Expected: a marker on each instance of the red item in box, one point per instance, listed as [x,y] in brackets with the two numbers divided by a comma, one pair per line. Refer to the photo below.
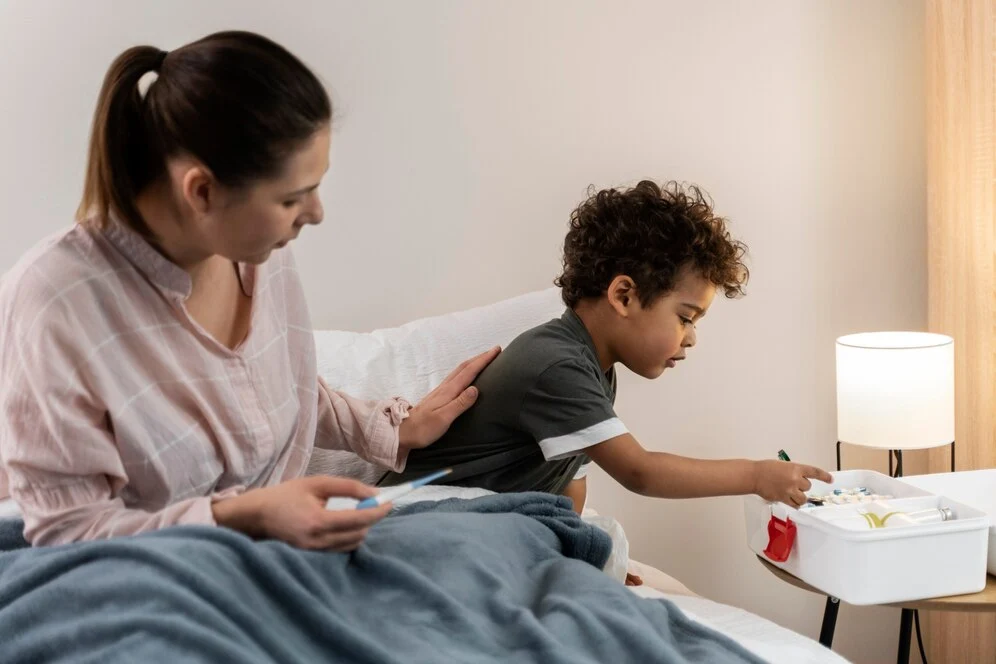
[781,537]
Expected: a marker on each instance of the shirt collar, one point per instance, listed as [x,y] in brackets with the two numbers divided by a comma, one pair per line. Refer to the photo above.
[574,323]
[162,272]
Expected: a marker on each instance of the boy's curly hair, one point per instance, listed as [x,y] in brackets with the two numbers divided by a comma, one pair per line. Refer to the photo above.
[649,233]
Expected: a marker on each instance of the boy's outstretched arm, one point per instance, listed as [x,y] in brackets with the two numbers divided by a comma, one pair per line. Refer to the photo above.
[662,475]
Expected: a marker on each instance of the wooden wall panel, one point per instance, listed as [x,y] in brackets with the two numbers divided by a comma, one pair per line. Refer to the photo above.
[961,192]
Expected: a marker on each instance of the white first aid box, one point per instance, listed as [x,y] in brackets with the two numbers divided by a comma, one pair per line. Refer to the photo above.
[880,565]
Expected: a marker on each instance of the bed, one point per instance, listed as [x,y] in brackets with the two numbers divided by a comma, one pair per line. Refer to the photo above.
[410,360]
[406,361]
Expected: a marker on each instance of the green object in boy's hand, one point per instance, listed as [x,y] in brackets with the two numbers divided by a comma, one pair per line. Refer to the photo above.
[783,456]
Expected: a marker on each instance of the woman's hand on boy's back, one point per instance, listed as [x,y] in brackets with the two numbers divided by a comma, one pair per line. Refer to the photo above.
[431,418]
[786,482]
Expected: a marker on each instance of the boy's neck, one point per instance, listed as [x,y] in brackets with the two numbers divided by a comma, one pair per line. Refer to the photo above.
[597,323]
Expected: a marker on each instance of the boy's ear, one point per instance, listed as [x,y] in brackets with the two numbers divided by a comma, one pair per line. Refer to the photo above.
[621,294]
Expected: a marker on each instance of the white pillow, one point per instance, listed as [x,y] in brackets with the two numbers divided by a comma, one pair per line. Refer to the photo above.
[411,360]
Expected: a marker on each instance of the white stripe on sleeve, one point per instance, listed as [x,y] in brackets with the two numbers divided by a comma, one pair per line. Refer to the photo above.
[570,444]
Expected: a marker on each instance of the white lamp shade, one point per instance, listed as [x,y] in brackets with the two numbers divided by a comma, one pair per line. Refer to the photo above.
[895,390]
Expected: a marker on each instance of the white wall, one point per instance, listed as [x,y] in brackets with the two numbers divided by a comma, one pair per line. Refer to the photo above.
[466,133]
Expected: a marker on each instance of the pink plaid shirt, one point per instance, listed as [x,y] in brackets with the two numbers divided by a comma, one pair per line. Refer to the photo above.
[120,414]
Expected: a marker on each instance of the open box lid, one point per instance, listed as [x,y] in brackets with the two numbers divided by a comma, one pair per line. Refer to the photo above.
[976,488]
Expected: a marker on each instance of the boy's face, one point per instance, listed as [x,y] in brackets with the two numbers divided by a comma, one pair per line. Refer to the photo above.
[650,339]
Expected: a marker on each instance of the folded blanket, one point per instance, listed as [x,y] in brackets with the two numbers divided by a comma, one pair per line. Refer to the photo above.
[577,538]
[12,535]
[617,565]
[500,578]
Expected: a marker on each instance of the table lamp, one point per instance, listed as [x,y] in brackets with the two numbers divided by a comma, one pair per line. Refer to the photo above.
[895,391]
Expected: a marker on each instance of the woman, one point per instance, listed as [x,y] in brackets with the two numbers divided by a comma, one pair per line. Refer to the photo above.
[157,360]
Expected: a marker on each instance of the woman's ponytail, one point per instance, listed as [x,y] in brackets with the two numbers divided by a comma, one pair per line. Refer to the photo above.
[124,154]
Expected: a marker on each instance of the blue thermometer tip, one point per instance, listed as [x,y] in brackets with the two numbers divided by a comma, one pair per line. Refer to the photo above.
[390,493]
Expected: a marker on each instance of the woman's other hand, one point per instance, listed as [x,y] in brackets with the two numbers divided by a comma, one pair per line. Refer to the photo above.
[294,512]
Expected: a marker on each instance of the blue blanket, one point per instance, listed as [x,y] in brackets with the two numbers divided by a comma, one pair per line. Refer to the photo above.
[511,577]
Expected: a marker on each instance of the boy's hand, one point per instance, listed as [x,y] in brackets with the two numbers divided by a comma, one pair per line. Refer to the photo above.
[786,482]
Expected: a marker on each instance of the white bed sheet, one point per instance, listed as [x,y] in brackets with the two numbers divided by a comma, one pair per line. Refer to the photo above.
[762,637]
[9,509]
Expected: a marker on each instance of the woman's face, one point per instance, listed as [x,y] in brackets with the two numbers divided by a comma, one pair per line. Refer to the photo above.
[245,226]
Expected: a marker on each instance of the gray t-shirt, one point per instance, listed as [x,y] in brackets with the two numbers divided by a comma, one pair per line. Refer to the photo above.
[542,401]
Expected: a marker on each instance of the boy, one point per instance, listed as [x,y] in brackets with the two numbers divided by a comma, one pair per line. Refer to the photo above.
[641,267]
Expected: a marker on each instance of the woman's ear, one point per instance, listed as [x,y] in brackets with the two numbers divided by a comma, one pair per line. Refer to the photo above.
[199,189]
[621,294]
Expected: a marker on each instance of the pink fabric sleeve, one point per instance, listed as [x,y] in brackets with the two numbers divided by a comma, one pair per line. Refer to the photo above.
[85,511]
[56,443]
[367,428]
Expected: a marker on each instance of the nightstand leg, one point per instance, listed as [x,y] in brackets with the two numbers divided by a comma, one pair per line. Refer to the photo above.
[905,635]
[830,622]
